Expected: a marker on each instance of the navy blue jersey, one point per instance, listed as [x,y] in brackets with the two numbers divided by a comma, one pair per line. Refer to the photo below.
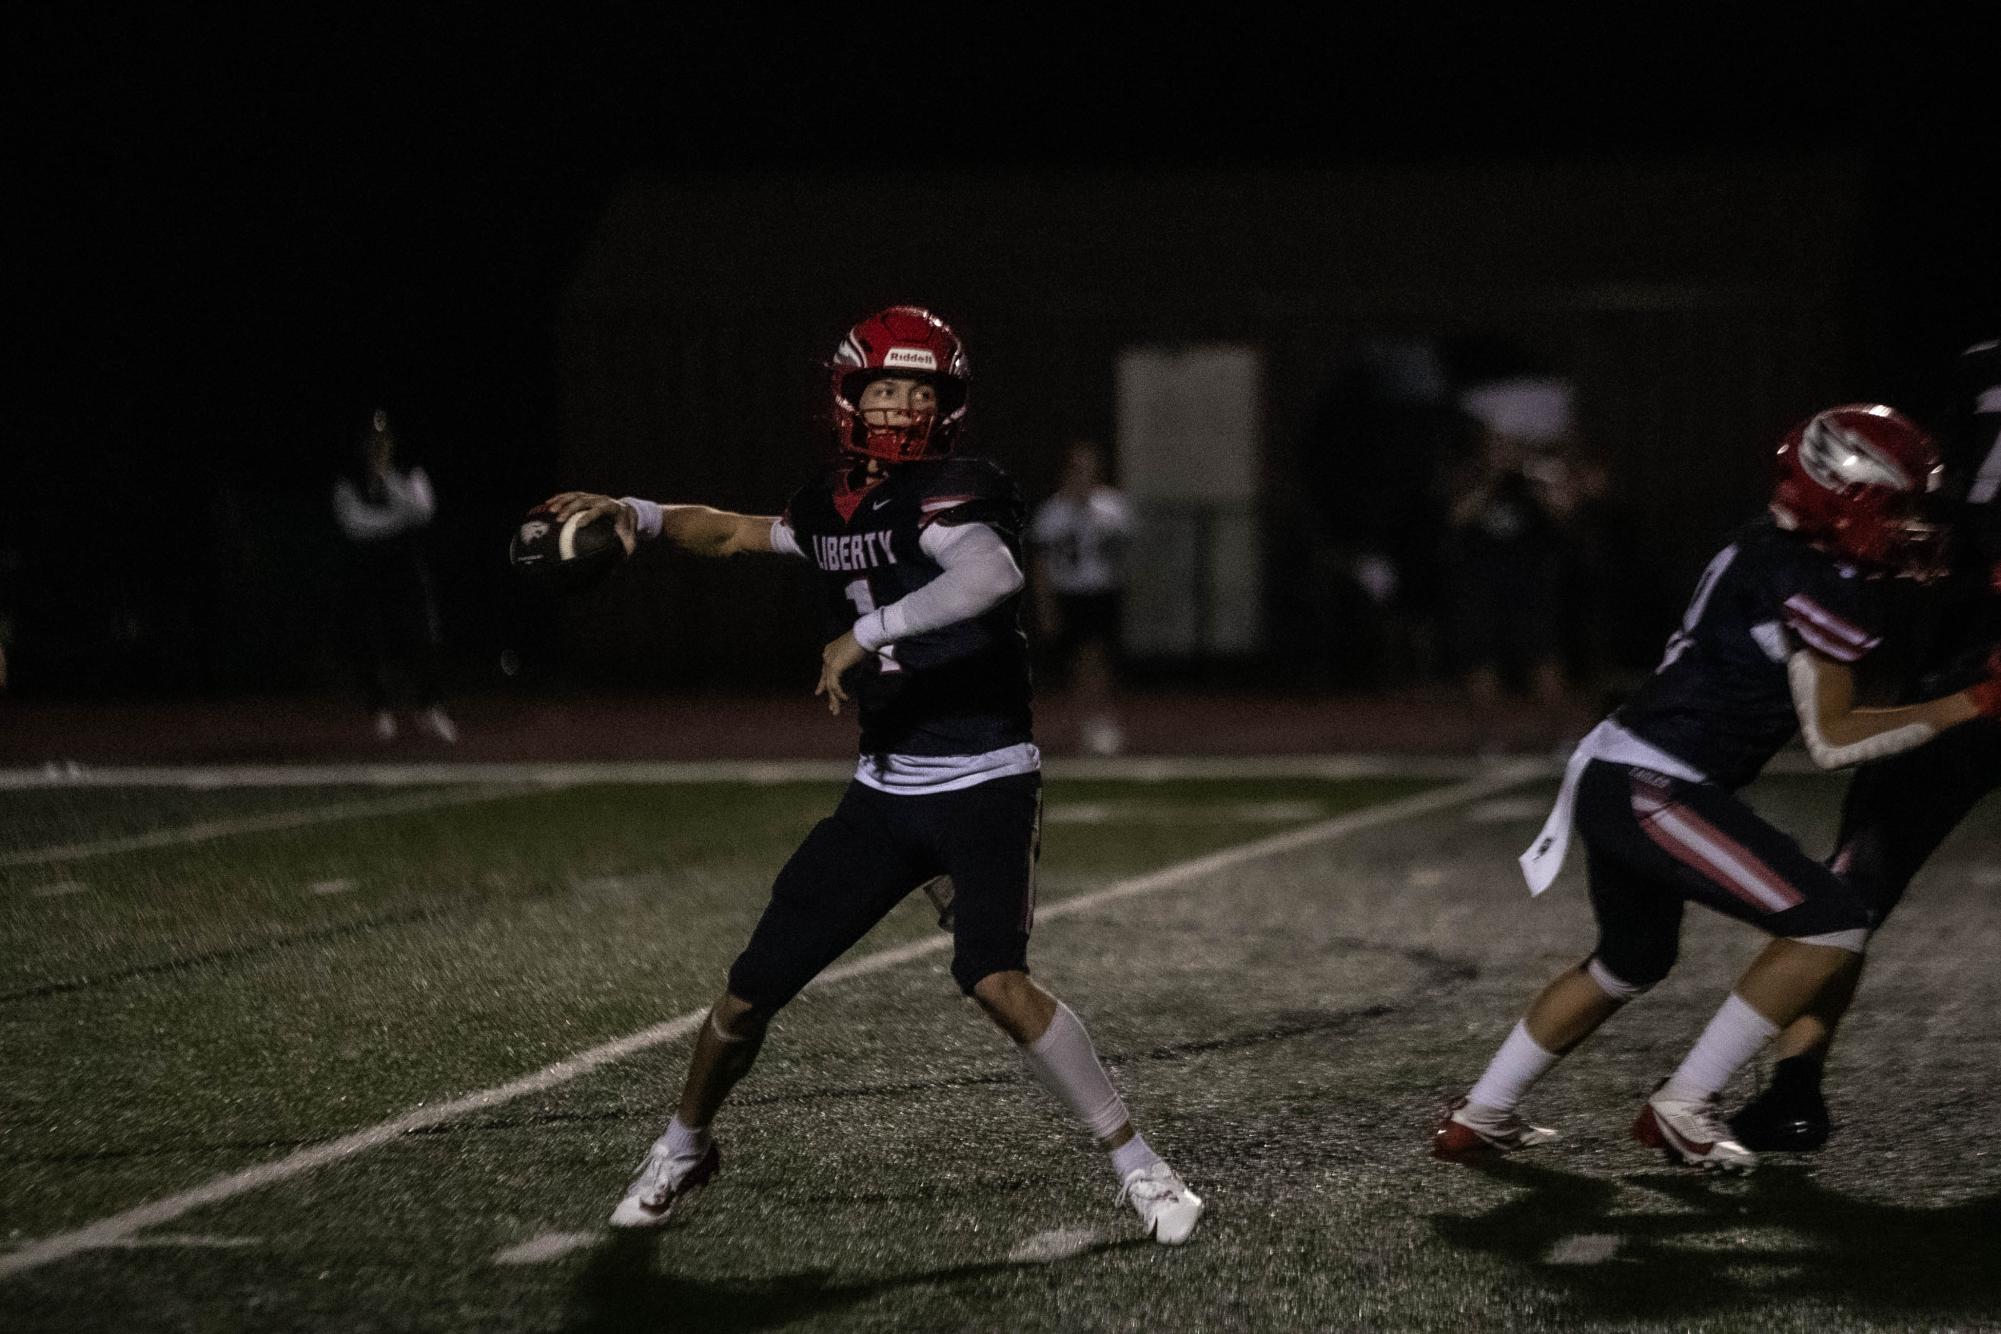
[1720,699]
[1947,629]
[1968,614]
[962,689]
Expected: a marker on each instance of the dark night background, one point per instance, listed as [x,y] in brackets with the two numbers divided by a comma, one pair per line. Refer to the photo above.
[232,236]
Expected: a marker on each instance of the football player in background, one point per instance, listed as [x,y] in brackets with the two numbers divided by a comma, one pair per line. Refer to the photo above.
[917,555]
[383,509]
[1767,647]
[1078,539]
[1896,813]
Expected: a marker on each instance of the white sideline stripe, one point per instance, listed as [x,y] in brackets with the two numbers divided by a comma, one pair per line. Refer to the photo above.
[110,1230]
[1508,809]
[254,824]
[58,888]
[1142,769]
[1144,812]
[548,1246]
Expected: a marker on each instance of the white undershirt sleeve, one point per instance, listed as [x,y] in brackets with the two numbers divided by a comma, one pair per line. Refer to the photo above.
[979,573]
[784,541]
[1803,677]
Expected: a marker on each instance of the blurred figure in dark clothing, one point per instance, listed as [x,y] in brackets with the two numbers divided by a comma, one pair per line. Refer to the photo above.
[9,563]
[1511,500]
[1371,456]
[391,614]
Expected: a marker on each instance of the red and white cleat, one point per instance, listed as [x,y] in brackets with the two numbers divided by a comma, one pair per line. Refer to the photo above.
[1691,1133]
[665,1185]
[1464,1132]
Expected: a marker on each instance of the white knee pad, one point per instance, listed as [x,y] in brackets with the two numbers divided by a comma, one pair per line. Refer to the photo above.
[1617,988]
[1854,940]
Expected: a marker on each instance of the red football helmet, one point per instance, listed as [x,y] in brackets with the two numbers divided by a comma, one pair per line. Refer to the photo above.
[1854,478]
[902,341]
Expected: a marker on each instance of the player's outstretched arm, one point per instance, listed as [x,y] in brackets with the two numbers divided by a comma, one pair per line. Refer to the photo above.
[1838,734]
[694,528]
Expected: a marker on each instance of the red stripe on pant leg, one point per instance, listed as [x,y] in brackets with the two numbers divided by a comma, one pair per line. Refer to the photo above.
[1749,860]
[1694,857]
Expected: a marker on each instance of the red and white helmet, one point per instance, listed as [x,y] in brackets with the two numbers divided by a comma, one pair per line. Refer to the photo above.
[1854,478]
[902,341]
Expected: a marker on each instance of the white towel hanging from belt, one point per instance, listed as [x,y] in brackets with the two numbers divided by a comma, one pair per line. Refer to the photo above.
[1607,741]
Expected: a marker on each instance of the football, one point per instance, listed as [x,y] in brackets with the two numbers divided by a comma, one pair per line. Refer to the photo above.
[564,555]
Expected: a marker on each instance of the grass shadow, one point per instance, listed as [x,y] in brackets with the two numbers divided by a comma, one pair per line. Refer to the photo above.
[624,1289]
[1689,1260]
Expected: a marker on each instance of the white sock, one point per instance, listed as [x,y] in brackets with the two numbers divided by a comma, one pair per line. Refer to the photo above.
[1064,1062]
[1520,1062]
[1135,1155]
[1733,1037]
[684,1141]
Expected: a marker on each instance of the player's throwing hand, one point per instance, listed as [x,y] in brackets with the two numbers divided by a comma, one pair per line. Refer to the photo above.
[841,656]
[593,506]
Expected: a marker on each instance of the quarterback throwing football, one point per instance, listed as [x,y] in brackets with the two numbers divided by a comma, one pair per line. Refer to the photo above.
[917,555]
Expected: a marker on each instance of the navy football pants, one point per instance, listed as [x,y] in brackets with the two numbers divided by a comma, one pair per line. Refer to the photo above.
[871,852]
[1654,842]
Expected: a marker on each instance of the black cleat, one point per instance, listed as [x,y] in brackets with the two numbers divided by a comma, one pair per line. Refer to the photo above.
[1789,1115]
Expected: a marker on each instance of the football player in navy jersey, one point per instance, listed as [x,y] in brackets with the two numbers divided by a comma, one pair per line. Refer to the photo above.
[918,558]
[1896,813]
[1767,648]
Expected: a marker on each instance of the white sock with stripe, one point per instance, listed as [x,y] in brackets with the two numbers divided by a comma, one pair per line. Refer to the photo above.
[1733,1037]
[1519,1063]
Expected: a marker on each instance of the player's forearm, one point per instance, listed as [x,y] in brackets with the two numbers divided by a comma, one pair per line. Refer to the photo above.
[701,530]
[980,574]
[1838,735]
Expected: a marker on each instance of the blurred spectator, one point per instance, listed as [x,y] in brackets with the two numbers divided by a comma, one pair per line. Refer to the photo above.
[391,612]
[1078,537]
[1372,451]
[10,563]
[1511,501]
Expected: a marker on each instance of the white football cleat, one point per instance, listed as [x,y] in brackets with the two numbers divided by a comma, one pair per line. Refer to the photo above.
[1692,1133]
[1163,1201]
[665,1185]
[1464,1133]
[385,725]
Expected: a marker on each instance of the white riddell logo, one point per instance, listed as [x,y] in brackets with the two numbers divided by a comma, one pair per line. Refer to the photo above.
[911,358]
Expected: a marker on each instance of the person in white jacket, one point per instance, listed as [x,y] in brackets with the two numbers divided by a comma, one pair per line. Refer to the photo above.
[391,626]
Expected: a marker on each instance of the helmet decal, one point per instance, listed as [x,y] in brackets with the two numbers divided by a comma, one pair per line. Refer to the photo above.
[1853,479]
[1836,457]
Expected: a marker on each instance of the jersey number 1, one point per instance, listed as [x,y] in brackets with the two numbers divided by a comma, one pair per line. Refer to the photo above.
[864,604]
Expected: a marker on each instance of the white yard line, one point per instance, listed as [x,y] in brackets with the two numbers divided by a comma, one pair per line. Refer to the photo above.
[1588,1248]
[112,1230]
[1143,769]
[257,824]
[200,1241]
[548,1246]
[59,889]
[1048,1247]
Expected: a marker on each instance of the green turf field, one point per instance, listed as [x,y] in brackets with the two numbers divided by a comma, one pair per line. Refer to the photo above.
[289,1027]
